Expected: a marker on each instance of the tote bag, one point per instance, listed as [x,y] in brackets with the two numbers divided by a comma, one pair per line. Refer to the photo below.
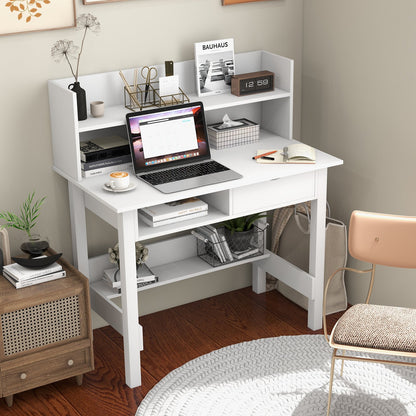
[294,247]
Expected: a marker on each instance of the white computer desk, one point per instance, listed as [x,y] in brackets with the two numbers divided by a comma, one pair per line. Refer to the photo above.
[262,188]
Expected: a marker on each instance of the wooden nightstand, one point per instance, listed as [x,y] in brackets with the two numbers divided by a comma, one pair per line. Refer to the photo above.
[45,332]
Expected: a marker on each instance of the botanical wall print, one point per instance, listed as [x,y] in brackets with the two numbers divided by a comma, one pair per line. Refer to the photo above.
[18,16]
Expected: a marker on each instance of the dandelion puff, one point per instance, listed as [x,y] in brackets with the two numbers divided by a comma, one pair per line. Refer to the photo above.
[64,49]
[87,21]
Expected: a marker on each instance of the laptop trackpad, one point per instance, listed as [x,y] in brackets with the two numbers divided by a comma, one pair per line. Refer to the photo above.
[198,181]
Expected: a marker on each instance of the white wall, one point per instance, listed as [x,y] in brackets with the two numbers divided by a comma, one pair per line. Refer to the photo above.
[134,33]
[358,103]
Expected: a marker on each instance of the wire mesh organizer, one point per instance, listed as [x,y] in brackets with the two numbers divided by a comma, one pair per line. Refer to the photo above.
[227,247]
[140,96]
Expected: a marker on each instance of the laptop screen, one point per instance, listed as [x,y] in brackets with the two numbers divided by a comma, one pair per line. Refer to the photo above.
[167,136]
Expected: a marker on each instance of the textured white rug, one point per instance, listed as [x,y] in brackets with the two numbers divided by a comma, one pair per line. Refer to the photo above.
[281,376]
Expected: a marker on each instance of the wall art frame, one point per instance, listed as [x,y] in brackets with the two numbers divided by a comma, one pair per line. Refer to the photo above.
[229,2]
[21,16]
[89,2]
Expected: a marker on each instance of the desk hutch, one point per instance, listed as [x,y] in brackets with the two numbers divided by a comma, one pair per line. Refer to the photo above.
[173,258]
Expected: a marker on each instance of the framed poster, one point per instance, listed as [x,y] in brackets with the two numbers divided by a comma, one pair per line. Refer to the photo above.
[227,2]
[18,16]
[98,1]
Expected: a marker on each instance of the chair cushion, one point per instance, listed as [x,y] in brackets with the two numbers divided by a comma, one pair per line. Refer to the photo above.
[377,326]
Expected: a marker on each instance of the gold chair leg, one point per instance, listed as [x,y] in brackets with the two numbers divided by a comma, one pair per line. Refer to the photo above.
[331,379]
[342,363]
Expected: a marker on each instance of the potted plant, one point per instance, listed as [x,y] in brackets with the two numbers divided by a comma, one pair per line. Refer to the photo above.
[239,231]
[25,221]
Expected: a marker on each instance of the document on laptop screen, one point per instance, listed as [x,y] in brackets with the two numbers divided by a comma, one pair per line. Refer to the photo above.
[168,135]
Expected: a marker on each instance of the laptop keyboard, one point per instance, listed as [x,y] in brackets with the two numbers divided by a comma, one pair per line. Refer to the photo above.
[184,172]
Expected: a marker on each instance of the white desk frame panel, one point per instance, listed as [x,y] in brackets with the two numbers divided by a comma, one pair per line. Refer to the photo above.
[262,188]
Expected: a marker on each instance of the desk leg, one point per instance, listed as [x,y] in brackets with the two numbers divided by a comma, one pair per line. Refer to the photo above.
[317,251]
[127,224]
[78,229]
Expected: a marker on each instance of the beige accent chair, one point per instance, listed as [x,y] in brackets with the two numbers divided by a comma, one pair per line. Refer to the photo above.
[382,239]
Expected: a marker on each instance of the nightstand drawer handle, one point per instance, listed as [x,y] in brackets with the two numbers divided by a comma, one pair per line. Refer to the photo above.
[23,376]
[70,362]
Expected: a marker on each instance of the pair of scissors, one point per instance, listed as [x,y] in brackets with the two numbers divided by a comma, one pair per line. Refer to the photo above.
[148,73]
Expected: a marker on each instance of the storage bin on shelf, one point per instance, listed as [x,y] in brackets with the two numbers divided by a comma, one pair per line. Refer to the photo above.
[228,248]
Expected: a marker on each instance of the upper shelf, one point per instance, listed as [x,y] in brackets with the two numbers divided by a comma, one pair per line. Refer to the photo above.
[115,115]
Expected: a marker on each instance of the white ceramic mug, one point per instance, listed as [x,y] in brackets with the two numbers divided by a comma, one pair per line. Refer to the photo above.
[119,180]
[97,108]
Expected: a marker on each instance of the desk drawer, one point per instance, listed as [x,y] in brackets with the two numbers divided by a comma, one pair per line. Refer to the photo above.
[45,371]
[273,194]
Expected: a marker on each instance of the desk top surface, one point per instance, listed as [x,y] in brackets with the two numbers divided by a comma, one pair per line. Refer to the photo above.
[238,158]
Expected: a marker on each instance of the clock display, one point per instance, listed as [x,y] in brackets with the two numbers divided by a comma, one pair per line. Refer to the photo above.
[252,82]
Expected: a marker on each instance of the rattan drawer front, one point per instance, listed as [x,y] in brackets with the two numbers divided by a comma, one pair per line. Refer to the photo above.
[46,371]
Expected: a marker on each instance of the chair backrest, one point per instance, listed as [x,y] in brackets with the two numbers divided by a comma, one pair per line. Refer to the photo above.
[385,239]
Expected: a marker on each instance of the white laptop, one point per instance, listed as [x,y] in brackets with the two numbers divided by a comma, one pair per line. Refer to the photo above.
[170,149]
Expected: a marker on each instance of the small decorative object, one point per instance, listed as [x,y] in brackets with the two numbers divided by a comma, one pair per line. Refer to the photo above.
[97,108]
[142,254]
[25,221]
[37,263]
[238,231]
[252,82]
[66,49]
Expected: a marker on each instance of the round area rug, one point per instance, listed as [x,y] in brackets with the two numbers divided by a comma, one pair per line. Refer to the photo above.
[281,376]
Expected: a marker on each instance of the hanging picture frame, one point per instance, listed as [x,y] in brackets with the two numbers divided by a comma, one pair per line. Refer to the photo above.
[19,16]
[88,2]
[228,2]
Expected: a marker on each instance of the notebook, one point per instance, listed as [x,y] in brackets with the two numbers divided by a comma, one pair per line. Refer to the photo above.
[170,148]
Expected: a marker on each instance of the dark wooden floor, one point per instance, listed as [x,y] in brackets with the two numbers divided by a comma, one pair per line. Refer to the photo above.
[171,338]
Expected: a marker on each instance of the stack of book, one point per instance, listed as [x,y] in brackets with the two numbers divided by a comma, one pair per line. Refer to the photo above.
[144,277]
[20,276]
[171,212]
[103,155]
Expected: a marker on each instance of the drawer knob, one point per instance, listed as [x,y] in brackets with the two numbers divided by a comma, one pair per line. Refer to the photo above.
[70,362]
[23,376]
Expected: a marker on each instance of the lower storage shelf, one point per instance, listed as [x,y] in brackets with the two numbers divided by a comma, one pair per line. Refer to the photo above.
[179,264]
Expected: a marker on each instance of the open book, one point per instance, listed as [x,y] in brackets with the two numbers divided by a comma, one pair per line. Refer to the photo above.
[294,153]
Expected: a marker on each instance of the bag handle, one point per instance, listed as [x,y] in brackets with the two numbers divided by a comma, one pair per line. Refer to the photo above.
[308,216]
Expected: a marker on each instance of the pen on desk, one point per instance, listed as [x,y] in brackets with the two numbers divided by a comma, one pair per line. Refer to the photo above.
[267,158]
[265,154]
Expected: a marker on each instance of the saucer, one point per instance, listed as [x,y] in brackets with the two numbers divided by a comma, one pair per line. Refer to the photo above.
[107,187]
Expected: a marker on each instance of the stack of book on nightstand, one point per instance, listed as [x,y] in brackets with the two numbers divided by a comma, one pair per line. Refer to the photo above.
[144,277]
[20,276]
[175,211]
[103,155]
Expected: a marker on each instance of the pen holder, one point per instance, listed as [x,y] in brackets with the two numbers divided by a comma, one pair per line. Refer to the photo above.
[141,96]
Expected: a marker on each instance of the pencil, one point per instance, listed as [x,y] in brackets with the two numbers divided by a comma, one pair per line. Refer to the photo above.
[264,154]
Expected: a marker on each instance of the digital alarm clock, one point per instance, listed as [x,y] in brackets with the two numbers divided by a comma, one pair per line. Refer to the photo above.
[252,82]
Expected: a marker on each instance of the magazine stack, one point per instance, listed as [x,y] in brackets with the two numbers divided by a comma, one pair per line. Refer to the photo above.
[175,211]
[21,277]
